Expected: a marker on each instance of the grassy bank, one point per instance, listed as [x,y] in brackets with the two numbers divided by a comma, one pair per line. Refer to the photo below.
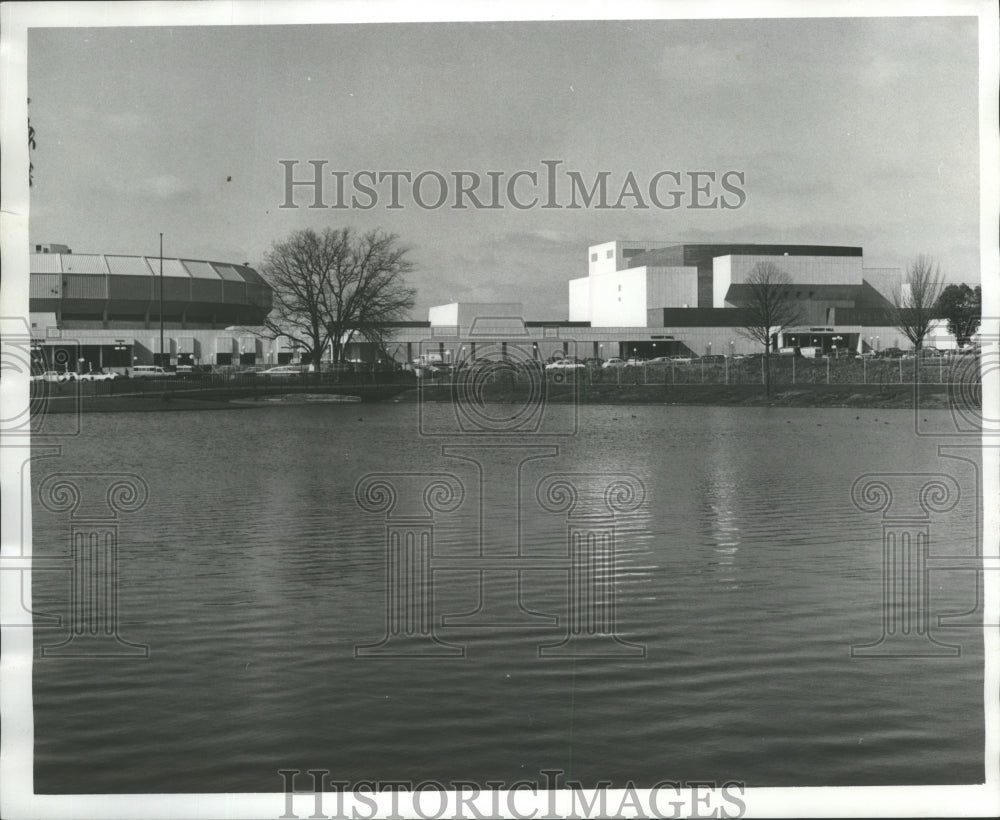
[66,399]
[930,396]
[807,395]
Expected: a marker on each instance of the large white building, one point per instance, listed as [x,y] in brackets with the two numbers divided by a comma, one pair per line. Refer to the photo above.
[638,298]
[691,293]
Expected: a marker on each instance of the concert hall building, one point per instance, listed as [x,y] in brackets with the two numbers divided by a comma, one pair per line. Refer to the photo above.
[102,311]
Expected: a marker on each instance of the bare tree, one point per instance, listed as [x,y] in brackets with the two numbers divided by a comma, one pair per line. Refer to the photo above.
[767,307]
[369,293]
[330,287]
[914,304]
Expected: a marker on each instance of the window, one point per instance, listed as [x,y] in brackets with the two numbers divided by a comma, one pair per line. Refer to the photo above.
[619,288]
[593,257]
[610,254]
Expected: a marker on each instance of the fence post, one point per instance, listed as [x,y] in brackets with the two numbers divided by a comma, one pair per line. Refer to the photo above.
[726,370]
[793,370]
[900,371]
[827,371]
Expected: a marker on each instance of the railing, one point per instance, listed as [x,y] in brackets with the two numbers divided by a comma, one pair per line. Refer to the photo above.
[207,382]
[784,370]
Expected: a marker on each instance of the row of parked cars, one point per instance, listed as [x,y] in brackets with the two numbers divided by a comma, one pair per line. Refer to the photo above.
[571,363]
[157,372]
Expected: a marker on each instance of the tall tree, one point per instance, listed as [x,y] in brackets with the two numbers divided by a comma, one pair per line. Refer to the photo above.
[768,307]
[331,287]
[914,304]
[962,306]
[370,292]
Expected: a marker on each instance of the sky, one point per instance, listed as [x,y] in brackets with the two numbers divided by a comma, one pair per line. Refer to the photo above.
[848,131]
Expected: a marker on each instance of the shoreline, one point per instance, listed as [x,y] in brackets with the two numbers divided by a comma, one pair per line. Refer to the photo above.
[901,396]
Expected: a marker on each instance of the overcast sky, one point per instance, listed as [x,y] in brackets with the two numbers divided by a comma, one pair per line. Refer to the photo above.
[849,132]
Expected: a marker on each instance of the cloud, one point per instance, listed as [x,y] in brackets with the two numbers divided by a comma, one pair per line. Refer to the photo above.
[162,187]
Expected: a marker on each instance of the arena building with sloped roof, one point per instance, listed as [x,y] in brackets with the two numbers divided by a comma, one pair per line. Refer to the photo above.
[101,310]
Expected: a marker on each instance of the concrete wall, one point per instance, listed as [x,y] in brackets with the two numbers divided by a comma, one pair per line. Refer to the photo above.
[443,315]
[618,299]
[671,287]
[579,299]
[613,256]
[722,278]
[886,281]
[802,270]
[463,314]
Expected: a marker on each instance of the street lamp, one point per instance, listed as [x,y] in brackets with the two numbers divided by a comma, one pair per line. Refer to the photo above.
[162,361]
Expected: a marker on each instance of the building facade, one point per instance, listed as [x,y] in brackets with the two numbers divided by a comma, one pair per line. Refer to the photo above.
[648,299]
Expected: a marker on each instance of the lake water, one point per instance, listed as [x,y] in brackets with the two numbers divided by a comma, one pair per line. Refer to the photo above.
[747,573]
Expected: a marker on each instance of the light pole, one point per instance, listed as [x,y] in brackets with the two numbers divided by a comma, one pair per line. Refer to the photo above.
[162,361]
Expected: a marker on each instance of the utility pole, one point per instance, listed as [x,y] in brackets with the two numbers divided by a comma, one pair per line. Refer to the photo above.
[162,361]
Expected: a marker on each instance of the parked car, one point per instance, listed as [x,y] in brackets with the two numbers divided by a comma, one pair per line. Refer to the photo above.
[285,371]
[662,360]
[681,359]
[714,358]
[50,376]
[188,371]
[565,364]
[891,353]
[97,376]
[635,361]
[614,361]
[148,371]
